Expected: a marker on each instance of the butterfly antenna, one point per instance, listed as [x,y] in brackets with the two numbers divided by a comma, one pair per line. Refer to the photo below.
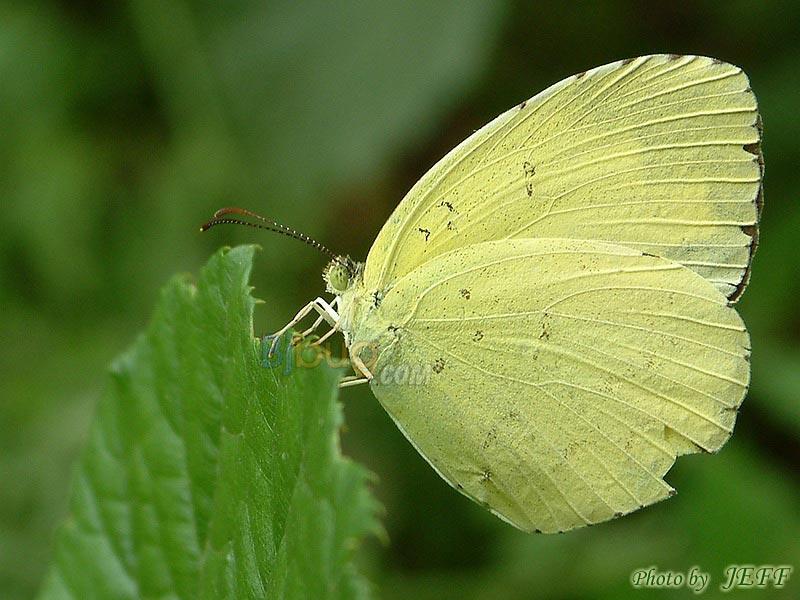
[221,218]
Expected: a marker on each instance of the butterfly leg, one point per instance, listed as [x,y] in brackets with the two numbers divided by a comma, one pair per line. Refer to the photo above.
[333,330]
[333,305]
[325,311]
[352,380]
[361,368]
[313,328]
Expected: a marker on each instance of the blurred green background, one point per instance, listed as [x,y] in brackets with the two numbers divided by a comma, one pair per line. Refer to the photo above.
[124,125]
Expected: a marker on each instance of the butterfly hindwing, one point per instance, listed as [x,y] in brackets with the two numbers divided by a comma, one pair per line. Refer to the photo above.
[562,378]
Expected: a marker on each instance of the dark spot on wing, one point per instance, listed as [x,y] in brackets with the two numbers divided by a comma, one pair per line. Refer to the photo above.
[537,531]
[491,435]
[754,148]
[477,336]
[528,168]
[617,515]
[545,334]
[447,205]
[450,226]
[425,232]
[570,450]
[459,486]
[486,475]
[377,297]
[465,293]
[672,493]
[648,254]
[438,365]
[579,75]
[522,104]
[750,230]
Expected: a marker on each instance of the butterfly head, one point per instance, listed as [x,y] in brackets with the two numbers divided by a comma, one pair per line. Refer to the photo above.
[341,274]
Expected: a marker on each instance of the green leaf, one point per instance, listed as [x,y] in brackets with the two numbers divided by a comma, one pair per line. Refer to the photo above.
[208,475]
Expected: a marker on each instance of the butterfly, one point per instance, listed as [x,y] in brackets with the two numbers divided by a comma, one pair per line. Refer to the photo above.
[547,315]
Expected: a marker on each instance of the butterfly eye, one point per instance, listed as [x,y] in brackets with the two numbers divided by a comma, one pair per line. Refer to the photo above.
[337,275]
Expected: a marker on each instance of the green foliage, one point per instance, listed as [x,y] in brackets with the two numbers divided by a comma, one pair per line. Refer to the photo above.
[208,475]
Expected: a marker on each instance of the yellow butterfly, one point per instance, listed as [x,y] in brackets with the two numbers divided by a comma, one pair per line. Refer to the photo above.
[547,314]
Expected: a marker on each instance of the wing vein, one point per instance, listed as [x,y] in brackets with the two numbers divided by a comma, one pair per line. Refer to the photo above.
[547,440]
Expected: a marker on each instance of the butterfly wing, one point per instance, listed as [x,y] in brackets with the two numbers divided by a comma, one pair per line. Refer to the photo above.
[563,376]
[659,153]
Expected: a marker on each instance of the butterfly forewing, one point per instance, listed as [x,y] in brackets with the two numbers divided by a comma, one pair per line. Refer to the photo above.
[659,153]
